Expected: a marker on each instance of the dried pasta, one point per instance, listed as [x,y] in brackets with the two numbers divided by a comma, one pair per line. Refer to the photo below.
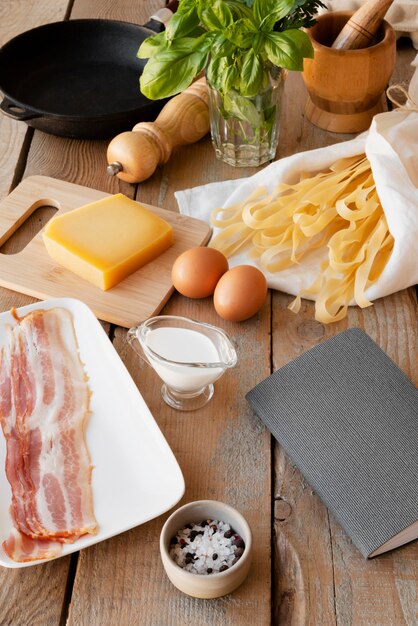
[339,209]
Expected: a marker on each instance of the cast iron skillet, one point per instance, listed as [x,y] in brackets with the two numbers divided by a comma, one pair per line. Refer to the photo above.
[77,78]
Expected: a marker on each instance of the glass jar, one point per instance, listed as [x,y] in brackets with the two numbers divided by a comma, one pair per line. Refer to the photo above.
[245,130]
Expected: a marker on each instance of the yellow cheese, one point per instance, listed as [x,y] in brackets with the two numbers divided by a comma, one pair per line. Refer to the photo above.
[105,241]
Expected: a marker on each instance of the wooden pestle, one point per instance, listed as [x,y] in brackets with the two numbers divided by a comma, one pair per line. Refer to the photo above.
[362,26]
[134,155]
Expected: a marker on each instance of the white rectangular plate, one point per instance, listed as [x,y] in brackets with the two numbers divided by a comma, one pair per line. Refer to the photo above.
[136,476]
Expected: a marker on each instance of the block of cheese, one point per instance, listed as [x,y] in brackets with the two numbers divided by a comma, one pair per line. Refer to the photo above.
[105,241]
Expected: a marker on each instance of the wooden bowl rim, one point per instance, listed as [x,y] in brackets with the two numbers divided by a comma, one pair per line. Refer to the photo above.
[387,40]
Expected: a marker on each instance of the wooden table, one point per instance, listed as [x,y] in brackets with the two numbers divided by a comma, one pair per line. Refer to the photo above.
[305,569]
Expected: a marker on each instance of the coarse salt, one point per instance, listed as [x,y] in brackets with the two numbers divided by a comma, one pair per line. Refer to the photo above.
[208,547]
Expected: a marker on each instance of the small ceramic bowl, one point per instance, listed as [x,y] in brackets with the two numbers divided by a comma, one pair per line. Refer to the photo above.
[211,585]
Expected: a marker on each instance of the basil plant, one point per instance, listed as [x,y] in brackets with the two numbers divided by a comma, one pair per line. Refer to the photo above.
[237,42]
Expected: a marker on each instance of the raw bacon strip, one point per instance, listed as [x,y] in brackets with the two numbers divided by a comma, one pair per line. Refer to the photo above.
[15,469]
[18,546]
[44,405]
[58,461]
[23,549]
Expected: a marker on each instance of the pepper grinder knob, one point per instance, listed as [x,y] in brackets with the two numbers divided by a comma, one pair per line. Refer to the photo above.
[114,168]
[133,156]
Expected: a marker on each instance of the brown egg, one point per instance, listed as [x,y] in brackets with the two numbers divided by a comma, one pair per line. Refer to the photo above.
[196,272]
[240,293]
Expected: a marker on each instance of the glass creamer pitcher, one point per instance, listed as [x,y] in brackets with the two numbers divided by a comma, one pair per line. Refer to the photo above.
[187,355]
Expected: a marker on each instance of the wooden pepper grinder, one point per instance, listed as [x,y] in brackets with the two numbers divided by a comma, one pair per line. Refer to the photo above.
[362,26]
[133,156]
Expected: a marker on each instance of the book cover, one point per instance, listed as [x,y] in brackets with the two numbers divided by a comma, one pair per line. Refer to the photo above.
[347,417]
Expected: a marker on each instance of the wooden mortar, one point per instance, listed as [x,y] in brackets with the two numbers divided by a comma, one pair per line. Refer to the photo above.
[346,87]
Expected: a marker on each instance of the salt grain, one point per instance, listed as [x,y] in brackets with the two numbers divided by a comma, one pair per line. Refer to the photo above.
[208,547]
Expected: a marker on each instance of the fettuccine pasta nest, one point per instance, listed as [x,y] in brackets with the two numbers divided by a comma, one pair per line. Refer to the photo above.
[339,209]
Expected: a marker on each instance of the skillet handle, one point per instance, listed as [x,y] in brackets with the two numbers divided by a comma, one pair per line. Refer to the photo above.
[160,19]
[16,111]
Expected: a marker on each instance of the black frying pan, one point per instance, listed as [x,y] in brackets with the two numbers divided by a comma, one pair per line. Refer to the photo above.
[77,78]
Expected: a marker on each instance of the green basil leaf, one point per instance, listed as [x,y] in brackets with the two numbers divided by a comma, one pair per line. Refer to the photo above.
[251,74]
[182,24]
[270,115]
[221,47]
[186,5]
[216,70]
[303,42]
[150,45]
[214,73]
[217,16]
[287,49]
[268,12]
[172,70]
[241,33]
[240,9]
[258,42]
[243,109]
[222,74]
[229,77]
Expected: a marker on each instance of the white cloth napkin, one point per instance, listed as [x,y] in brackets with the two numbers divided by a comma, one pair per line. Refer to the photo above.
[413,85]
[391,146]
[402,15]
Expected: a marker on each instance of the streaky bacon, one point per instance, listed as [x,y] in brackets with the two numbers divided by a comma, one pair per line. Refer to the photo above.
[44,406]
[14,455]
[19,547]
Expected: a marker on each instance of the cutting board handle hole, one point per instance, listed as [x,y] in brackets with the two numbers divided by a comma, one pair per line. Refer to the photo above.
[21,233]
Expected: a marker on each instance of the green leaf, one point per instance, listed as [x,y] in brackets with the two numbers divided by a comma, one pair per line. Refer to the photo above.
[221,47]
[251,74]
[182,23]
[243,109]
[186,5]
[239,9]
[241,33]
[249,3]
[214,72]
[270,115]
[172,70]
[222,74]
[217,16]
[228,78]
[287,49]
[258,42]
[268,12]
[150,45]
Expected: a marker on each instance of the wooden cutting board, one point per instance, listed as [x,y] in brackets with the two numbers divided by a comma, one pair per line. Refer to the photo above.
[33,272]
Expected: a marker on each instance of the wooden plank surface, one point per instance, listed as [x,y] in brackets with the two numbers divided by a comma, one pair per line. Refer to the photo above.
[35,595]
[224,451]
[134,588]
[321,578]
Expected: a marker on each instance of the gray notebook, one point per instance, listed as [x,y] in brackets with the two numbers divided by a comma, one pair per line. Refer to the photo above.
[348,418]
